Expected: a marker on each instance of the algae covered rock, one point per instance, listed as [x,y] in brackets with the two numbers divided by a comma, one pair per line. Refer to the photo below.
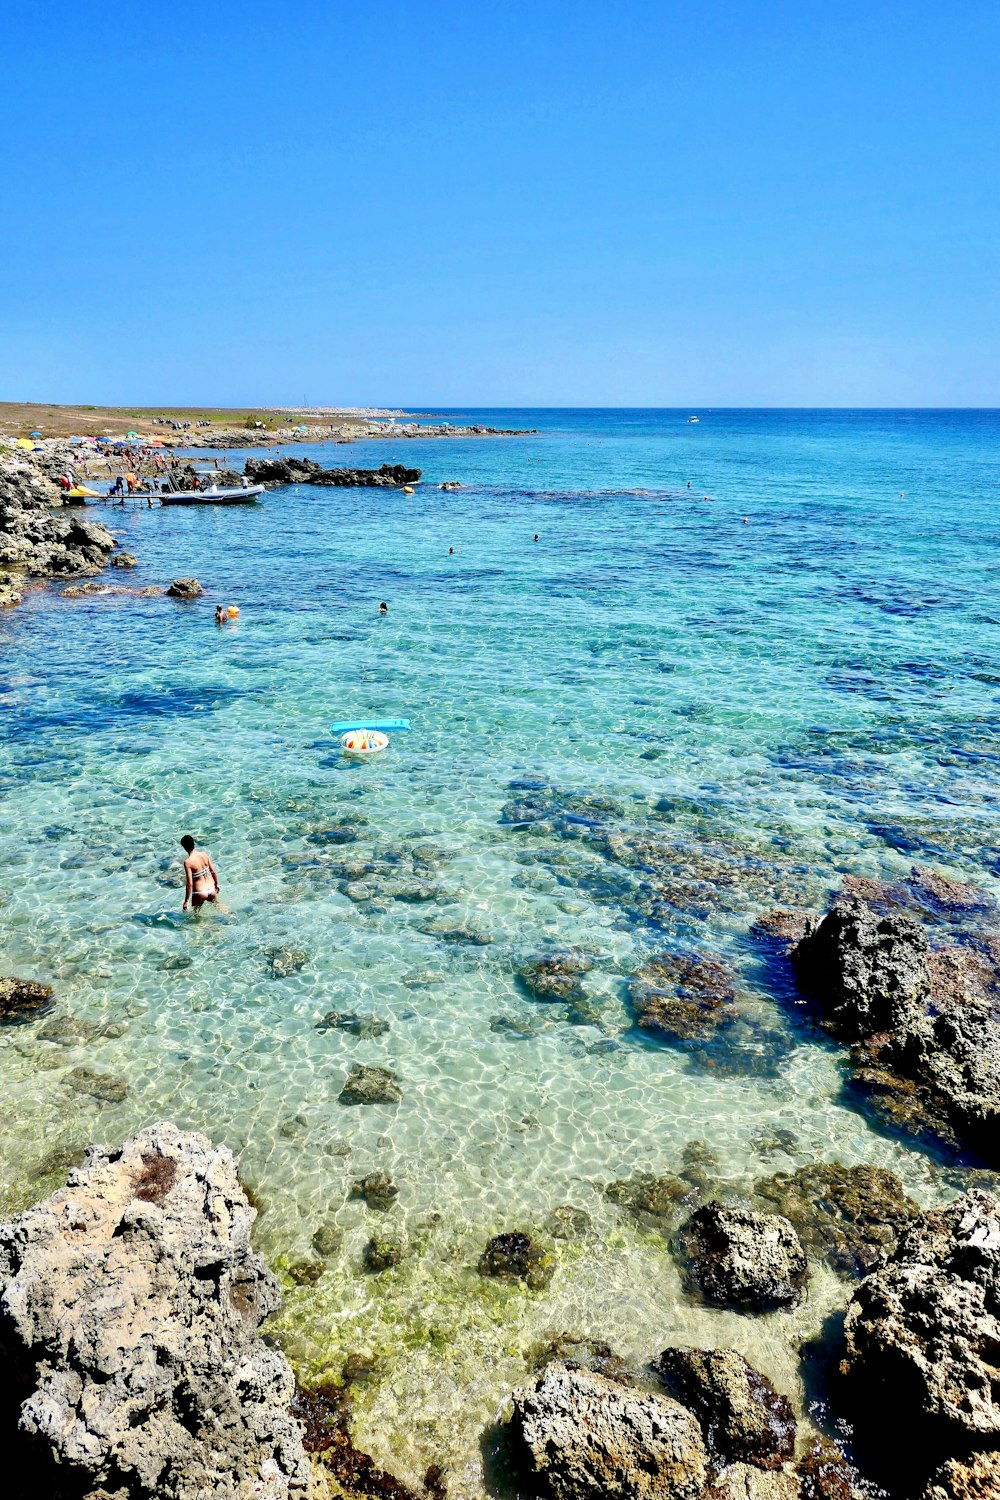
[365,1085]
[741,1414]
[555,977]
[850,1217]
[286,960]
[23,1000]
[377,1189]
[654,1202]
[130,1303]
[567,1223]
[682,996]
[514,1256]
[573,1435]
[385,1249]
[185,588]
[106,1087]
[577,1352]
[976,1477]
[737,1257]
[825,1474]
[363,1026]
[327,1239]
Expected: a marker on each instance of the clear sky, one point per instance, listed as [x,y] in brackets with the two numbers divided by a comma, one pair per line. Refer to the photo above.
[563,202]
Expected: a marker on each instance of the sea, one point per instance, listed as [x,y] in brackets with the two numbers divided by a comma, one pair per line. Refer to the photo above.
[662,676]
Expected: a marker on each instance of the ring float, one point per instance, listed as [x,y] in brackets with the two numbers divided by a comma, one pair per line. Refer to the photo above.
[362,744]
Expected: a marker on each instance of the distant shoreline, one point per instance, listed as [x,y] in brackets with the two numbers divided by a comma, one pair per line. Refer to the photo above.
[230,427]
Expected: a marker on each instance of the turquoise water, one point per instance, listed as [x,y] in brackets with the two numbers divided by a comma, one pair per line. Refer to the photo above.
[767,704]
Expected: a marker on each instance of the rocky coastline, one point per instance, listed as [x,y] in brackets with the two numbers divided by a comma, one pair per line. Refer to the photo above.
[131,1301]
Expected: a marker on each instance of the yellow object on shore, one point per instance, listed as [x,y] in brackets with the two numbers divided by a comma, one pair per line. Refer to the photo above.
[26,443]
[233,612]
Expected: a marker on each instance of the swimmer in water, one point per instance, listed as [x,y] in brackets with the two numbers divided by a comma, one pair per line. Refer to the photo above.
[201,883]
[536,536]
[451,552]
[221,616]
[383,608]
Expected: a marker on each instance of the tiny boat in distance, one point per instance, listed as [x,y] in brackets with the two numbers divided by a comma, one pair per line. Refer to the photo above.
[694,419]
[238,495]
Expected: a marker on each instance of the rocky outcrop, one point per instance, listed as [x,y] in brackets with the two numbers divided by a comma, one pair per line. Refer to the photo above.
[574,1435]
[130,1304]
[739,1258]
[515,1256]
[555,977]
[925,1025]
[367,1085]
[922,1335]
[745,1482]
[741,1414]
[185,588]
[39,536]
[274,472]
[975,1478]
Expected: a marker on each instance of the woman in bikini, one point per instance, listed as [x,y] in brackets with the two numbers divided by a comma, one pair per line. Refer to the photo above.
[201,883]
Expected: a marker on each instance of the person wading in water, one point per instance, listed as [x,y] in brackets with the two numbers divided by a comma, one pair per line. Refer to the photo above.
[201,883]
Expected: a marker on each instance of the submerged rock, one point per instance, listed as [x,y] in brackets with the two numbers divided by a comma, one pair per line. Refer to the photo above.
[575,1436]
[365,1085]
[682,996]
[579,1353]
[741,1414]
[949,895]
[739,1258]
[656,1202]
[513,1027]
[785,926]
[124,560]
[286,960]
[305,1272]
[555,976]
[23,999]
[104,1086]
[325,1411]
[922,1334]
[327,1239]
[514,1256]
[385,1249]
[850,1217]
[360,1026]
[567,1222]
[825,1474]
[377,1189]
[130,1303]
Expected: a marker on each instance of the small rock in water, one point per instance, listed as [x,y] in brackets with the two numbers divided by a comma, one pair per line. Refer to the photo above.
[515,1257]
[377,1189]
[568,1223]
[579,1353]
[949,895]
[359,1026]
[185,588]
[124,560]
[305,1272]
[656,1202]
[284,961]
[365,1085]
[555,976]
[785,926]
[103,1086]
[741,1414]
[23,999]
[513,1027]
[736,1257]
[384,1250]
[470,935]
[67,1031]
[327,1239]
[682,996]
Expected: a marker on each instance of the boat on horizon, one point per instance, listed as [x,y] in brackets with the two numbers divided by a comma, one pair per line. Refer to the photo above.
[694,419]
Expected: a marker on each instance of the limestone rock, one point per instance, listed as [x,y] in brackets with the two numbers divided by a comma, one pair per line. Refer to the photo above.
[864,969]
[555,976]
[130,1303]
[23,999]
[744,1482]
[682,997]
[741,1414]
[124,560]
[737,1257]
[921,1334]
[974,1478]
[574,1435]
[185,588]
[848,1216]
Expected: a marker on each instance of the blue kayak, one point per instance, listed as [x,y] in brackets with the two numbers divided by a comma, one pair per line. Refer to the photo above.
[343,726]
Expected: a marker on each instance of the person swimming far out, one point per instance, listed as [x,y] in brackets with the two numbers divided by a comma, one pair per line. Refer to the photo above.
[201,883]
[383,608]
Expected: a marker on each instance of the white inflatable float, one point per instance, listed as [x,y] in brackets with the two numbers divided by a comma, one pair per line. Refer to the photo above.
[362,744]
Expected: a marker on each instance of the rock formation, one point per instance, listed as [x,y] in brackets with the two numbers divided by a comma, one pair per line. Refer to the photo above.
[925,1025]
[274,472]
[922,1334]
[130,1359]
[742,1416]
[574,1435]
[39,536]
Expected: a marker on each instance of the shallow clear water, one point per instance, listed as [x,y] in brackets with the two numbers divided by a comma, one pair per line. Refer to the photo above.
[774,702]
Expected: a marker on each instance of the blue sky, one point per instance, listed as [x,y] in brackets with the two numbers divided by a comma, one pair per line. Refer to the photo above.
[725,203]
